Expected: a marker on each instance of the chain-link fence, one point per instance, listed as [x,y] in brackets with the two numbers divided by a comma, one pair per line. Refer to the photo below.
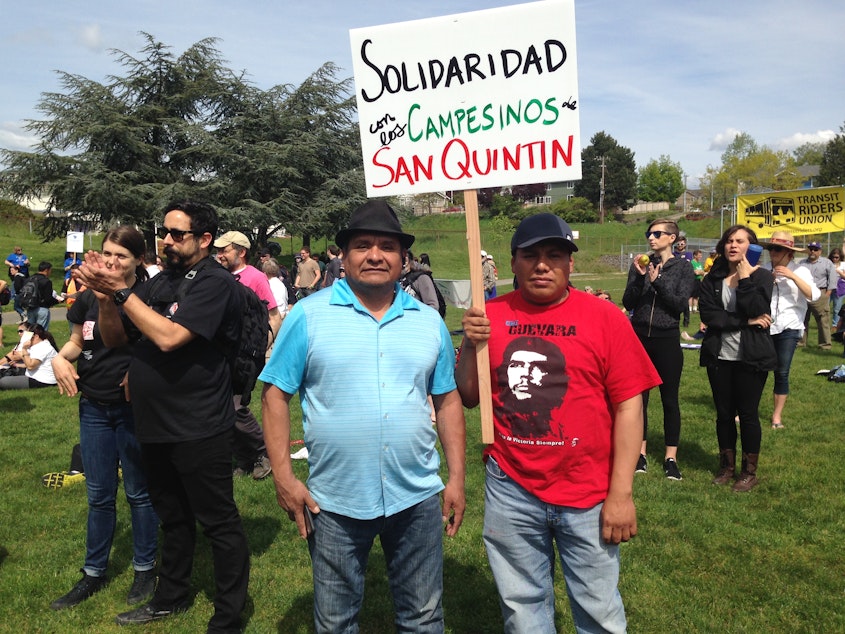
[628,251]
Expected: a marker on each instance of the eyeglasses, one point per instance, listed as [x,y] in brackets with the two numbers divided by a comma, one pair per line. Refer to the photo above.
[20,332]
[656,234]
[776,249]
[177,234]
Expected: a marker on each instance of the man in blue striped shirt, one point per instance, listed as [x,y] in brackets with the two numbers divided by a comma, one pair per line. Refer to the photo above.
[364,356]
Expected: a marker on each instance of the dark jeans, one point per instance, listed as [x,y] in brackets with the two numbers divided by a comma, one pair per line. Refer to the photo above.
[668,360]
[191,482]
[412,541]
[107,438]
[737,388]
[248,440]
[785,344]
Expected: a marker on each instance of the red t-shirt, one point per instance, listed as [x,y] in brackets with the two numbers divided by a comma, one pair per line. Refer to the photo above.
[556,375]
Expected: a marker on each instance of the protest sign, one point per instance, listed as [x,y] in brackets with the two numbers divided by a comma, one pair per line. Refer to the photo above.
[75,242]
[473,100]
[482,99]
[801,211]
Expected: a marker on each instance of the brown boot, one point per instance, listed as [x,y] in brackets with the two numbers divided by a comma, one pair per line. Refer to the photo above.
[748,477]
[727,467]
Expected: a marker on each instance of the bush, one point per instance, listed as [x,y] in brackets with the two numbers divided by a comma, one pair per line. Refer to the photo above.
[575,210]
[13,213]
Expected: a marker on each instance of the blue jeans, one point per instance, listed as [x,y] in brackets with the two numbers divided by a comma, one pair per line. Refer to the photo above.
[106,436]
[520,532]
[40,316]
[785,344]
[412,541]
[836,306]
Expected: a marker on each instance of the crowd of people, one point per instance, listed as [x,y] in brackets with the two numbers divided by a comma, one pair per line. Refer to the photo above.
[569,417]
[753,317]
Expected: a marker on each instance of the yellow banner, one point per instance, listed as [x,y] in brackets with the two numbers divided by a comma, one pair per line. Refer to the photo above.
[801,212]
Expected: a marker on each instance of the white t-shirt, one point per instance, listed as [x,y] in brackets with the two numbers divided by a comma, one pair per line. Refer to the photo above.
[44,352]
[788,303]
[280,292]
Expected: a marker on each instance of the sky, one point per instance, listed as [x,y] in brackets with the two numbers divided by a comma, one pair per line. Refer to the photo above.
[664,78]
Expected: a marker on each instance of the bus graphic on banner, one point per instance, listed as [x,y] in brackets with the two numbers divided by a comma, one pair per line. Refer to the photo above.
[772,212]
[802,212]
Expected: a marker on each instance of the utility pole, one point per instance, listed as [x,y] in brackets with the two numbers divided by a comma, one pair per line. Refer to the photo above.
[601,193]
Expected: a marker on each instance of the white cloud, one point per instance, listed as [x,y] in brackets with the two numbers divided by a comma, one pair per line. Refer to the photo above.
[14,137]
[723,139]
[90,37]
[800,138]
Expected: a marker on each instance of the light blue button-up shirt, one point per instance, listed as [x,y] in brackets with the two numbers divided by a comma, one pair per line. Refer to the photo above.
[363,387]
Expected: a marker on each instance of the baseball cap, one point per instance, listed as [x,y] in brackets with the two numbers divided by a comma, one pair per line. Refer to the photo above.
[814,245]
[539,227]
[483,253]
[232,237]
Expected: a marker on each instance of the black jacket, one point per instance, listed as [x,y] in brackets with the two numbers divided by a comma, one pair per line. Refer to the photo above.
[753,298]
[657,306]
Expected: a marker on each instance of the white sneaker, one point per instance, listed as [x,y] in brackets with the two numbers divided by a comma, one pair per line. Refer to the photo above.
[302,454]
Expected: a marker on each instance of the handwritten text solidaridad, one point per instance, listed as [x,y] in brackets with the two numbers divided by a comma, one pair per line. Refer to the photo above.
[473,100]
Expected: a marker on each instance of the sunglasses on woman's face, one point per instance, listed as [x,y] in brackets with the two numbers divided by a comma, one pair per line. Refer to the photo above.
[656,234]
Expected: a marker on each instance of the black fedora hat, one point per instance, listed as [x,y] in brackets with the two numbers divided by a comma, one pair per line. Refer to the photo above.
[374,216]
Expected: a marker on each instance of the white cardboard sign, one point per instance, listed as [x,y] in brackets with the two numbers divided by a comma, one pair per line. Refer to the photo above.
[75,242]
[473,100]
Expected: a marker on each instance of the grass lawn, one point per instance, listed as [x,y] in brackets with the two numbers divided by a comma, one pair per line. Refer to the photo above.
[705,560]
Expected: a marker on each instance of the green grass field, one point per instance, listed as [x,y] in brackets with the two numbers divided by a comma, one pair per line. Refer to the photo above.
[705,560]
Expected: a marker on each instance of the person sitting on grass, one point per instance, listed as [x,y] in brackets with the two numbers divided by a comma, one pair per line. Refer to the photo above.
[36,354]
[8,365]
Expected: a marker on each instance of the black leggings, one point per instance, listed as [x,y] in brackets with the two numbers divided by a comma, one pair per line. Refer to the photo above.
[668,359]
[737,388]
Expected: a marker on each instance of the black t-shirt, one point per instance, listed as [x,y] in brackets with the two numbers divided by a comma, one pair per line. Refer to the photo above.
[332,272]
[100,369]
[186,394]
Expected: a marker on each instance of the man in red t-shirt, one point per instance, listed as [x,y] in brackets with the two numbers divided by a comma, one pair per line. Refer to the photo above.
[567,374]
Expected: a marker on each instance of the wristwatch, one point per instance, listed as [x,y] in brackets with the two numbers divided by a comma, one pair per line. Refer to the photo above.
[121,296]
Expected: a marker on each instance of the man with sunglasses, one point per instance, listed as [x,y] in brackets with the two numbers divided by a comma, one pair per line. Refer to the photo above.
[825,278]
[184,420]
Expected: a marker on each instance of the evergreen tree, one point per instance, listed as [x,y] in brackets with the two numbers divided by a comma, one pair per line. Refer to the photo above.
[188,126]
[620,173]
[832,170]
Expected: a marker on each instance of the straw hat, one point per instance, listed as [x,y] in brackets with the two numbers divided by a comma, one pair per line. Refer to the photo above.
[782,239]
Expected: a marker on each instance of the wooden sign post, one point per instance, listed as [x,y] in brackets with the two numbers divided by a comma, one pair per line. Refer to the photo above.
[485,401]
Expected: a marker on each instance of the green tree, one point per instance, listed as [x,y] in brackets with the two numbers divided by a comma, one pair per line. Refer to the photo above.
[832,169]
[809,153]
[660,180]
[187,126]
[747,167]
[575,210]
[604,160]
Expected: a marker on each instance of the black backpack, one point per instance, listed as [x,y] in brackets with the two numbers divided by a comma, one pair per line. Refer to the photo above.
[407,283]
[247,355]
[30,297]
